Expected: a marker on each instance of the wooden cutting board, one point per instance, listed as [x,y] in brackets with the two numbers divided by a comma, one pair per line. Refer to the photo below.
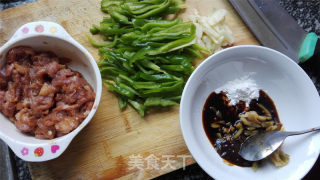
[113,141]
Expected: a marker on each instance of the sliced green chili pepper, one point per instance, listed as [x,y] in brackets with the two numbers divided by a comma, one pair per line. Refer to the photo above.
[105,4]
[194,52]
[126,78]
[119,17]
[139,55]
[159,9]
[151,65]
[113,70]
[122,102]
[105,28]
[174,67]
[151,1]
[146,85]
[175,87]
[158,101]
[174,98]
[156,77]
[133,6]
[200,48]
[121,85]
[119,90]
[143,9]
[131,36]
[160,24]
[105,44]
[175,43]
[147,58]
[95,29]
[139,107]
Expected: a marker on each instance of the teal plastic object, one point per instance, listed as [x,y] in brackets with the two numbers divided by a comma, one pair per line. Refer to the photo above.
[308,47]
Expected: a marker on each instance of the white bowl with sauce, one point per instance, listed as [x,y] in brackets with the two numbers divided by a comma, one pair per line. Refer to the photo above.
[294,95]
[49,36]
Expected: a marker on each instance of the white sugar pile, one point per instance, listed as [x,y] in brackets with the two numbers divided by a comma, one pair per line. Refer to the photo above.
[243,88]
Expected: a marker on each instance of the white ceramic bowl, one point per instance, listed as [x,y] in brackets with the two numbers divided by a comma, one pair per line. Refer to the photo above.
[292,91]
[49,36]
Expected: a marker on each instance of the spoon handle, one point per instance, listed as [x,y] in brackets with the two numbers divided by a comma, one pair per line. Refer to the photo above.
[291,133]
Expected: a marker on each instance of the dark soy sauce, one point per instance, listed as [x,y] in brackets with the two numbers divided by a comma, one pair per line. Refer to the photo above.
[217,109]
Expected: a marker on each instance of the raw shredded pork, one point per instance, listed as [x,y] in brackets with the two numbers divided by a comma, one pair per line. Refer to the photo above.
[41,95]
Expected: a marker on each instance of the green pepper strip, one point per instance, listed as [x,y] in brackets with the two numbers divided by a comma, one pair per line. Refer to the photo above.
[106,44]
[128,88]
[139,55]
[160,23]
[118,56]
[119,17]
[119,90]
[131,36]
[175,32]
[168,84]
[144,44]
[161,7]
[146,85]
[132,6]
[157,101]
[174,98]
[151,65]
[104,28]
[139,107]
[138,23]
[105,4]
[143,70]
[151,1]
[175,43]
[174,67]
[162,60]
[175,87]
[200,48]
[112,55]
[104,63]
[126,78]
[113,70]
[183,28]
[128,54]
[143,10]
[180,59]
[122,102]
[194,52]
[156,77]
[158,37]
[95,29]
[155,29]
[107,20]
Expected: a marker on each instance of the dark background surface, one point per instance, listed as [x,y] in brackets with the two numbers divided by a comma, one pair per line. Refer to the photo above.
[307,14]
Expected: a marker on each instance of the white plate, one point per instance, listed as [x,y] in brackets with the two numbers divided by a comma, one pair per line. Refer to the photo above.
[292,91]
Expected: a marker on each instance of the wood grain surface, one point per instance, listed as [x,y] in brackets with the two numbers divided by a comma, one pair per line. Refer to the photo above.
[104,149]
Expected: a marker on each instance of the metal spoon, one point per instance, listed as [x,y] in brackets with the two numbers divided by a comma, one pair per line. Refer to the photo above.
[261,145]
